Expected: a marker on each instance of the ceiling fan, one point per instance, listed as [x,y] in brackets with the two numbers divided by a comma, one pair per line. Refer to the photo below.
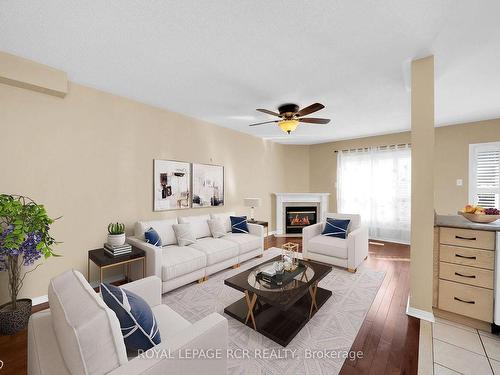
[290,116]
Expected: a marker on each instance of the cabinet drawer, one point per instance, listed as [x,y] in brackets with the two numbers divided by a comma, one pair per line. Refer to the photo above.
[467,257]
[480,239]
[466,275]
[466,300]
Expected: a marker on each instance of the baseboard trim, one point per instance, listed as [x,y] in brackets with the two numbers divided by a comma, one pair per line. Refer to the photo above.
[45,298]
[39,300]
[420,314]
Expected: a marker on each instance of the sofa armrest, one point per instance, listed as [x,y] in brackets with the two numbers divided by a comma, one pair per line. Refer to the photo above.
[309,232]
[44,355]
[357,247]
[148,288]
[153,255]
[256,229]
[208,335]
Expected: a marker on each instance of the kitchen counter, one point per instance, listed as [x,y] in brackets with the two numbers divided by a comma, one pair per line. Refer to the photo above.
[458,221]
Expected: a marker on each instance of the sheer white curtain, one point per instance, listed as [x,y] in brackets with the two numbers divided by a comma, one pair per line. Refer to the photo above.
[376,183]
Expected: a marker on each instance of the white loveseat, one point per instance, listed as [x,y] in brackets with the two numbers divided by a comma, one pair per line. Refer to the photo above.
[80,335]
[179,265]
[348,253]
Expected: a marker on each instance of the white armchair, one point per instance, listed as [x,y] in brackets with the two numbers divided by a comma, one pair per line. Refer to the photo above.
[81,335]
[348,253]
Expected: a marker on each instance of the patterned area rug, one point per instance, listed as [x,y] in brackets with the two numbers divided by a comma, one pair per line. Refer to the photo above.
[319,348]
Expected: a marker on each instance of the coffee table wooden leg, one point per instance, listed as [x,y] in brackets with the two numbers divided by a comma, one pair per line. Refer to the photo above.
[312,291]
[250,305]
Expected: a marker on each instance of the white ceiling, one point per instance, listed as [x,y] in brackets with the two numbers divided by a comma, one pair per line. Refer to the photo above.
[219,60]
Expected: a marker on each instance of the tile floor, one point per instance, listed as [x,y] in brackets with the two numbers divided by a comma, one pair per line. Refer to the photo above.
[458,349]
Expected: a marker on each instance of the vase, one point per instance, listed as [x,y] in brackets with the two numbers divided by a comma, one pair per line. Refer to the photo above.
[13,321]
[116,239]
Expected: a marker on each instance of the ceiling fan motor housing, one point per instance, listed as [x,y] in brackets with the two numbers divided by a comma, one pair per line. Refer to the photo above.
[288,110]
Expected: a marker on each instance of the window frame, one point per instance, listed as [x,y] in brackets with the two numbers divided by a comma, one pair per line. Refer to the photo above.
[473,150]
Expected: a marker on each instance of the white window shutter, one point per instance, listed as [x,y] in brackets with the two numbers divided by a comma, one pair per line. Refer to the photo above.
[484,174]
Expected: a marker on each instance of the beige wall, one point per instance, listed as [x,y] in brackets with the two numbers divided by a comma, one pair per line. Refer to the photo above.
[451,160]
[89,157]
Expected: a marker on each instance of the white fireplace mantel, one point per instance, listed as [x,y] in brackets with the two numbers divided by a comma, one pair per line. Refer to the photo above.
[283,198]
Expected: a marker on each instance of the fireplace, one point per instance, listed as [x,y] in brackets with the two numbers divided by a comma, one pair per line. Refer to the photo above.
[298,217]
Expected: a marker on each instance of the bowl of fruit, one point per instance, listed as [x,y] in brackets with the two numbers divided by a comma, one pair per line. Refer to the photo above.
[478,214]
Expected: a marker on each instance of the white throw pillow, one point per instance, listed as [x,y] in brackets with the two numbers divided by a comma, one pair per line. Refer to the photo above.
[184,234]
[226,221]
[199,225]
[217,228]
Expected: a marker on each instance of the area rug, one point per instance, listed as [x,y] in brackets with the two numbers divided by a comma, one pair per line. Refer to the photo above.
[319,348]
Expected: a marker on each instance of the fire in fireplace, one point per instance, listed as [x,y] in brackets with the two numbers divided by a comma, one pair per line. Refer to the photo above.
[298,217]
[302,220]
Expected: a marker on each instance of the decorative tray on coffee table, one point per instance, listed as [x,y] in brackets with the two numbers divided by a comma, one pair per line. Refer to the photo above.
[286,277]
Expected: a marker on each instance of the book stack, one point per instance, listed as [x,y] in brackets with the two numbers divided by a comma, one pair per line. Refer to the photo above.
[117,250]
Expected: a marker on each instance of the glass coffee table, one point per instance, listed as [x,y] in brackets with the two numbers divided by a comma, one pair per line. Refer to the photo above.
[279,311]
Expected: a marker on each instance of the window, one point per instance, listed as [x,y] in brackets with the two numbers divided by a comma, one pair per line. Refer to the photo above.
[484,172]
[376,183]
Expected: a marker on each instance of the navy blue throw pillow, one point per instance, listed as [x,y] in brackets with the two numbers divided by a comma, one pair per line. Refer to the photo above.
[239,224]
[152,237]
[336,227]
[138,324]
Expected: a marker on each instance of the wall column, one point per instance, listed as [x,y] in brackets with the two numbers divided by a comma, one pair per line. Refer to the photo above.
[422,186]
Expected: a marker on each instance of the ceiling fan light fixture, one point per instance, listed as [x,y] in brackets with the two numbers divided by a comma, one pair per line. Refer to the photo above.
[288,126]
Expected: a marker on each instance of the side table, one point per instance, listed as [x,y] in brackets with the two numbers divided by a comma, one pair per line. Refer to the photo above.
[103,261]
[263,223]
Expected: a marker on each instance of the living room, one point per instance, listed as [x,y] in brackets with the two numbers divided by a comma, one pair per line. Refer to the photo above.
[128,124]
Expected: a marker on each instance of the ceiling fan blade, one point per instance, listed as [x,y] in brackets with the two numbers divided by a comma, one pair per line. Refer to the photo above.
[262,123]
[313,120]
[312,108]
[268,112]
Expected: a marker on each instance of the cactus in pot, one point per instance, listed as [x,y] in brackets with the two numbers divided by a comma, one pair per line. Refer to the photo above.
[116,234]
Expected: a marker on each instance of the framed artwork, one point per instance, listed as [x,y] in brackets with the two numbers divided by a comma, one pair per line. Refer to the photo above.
[172,185]
[208,185]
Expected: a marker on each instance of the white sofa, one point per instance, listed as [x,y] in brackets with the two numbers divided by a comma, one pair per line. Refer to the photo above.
[80,335]
[348,253]
[179,265]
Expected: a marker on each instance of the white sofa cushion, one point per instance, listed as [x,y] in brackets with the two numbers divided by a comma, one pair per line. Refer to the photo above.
[168,321]
[199,225]
[81,319]
[330,246]
[184,234]
[217,228]
[163,227]
[178,261]
[246,242]
[224,216]
[355,222]
[216,249]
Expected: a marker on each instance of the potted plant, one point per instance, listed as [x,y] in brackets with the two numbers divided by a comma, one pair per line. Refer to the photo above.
[24,239]
[116,234]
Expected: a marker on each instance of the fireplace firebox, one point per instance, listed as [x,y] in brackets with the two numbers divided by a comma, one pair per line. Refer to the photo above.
[298,217]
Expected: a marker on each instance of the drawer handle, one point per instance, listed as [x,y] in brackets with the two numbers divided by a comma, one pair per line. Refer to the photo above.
[469,276]
[461,300]
[466,238]
[465,257]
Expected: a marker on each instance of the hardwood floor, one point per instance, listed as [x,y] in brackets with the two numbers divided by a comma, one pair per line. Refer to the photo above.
[388,337]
